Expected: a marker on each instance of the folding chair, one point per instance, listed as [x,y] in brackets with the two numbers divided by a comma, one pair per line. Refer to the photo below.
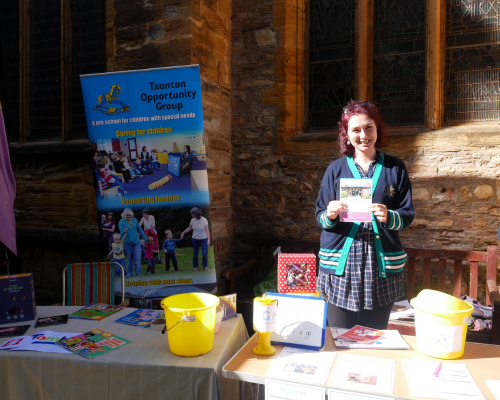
[91,283]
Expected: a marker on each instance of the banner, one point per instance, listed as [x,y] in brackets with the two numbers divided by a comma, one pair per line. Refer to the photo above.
[150,171]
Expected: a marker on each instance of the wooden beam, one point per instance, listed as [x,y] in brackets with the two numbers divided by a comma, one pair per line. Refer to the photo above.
[66,69]
[363,80]
[435,62]
[24,89]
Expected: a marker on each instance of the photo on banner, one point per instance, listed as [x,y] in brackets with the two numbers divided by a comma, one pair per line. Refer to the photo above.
[150,177]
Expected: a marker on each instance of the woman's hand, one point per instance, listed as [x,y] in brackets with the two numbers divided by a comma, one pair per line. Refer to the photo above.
[334,208]
[380,211]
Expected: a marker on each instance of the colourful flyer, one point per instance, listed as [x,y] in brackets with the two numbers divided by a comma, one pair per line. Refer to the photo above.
[94,346]
[140,318]
[357,194]
[361,334]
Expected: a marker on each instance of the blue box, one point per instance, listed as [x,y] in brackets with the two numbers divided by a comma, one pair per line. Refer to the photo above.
[17,298]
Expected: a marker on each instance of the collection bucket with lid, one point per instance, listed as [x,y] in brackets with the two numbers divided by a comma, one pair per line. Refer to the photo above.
[440,324]
[190,322]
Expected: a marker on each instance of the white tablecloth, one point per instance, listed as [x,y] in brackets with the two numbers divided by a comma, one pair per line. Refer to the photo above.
[142,370]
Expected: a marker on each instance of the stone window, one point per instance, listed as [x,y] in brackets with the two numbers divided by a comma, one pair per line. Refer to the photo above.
[472,80]
[425,63]
[50,43]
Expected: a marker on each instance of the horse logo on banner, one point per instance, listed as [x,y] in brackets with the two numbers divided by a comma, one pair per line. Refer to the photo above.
[109,104]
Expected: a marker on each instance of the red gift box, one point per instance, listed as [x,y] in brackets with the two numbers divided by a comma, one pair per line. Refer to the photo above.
[297,273]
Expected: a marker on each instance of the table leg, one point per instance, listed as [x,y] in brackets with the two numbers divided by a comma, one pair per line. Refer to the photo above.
[242,390]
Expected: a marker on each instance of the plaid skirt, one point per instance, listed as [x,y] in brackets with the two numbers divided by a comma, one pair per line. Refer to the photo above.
[360,287]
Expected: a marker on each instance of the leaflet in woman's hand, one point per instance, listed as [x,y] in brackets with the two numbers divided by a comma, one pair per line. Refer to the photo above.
[357,194]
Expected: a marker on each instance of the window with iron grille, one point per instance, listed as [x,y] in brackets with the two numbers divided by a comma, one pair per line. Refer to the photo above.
[331,60]
[82,32]
[472,81]
[399,60]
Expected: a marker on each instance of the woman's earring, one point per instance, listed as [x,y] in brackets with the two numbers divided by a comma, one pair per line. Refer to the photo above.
[348,142]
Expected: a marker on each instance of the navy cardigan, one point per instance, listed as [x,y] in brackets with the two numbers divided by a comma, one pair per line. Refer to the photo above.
[391,186]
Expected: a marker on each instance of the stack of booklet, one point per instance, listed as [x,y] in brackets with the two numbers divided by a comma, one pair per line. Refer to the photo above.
[358,338]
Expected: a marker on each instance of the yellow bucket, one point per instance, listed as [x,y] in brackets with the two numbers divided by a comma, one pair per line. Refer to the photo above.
[441,324]
[190,319]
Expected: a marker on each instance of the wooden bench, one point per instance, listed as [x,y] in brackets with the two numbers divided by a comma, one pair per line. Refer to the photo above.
[263,261]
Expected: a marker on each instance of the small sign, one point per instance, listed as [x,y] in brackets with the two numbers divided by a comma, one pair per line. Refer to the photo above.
[49,321]
[277,390]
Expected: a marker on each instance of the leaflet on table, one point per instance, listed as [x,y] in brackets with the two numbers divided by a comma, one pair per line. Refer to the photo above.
[361,334]
[96,311]
[13,330]
[44,341]
[301,365]
[391,340]
[454,381]
[94,346]
[357,194]
[280,390]
[494,387]
[368,374]
[49,321]
[140,318]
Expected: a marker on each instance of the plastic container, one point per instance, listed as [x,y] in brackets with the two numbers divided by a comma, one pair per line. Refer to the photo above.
[190,321]
[440,324]
[218,318]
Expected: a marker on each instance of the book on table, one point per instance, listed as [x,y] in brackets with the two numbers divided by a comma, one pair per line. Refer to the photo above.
[91,346]
[96,311]
[140,318]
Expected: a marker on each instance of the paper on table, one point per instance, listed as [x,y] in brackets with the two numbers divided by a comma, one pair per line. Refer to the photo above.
[290,391]
[45,341]
[390,340]
[301,365]
[367,374]
[453,383]
[494,387]
[16,342]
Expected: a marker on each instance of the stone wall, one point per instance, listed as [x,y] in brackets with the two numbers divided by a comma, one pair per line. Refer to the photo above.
[276,178]
[55,204]
[55,213]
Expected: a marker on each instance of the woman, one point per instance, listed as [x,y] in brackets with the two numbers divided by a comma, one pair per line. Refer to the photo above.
[108,230]
[132,244]
[187,159]
[201,237]
[148,222]
[361,264]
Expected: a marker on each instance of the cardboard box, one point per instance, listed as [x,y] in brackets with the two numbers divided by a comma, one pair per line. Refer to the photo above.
[296,273]
[17,298]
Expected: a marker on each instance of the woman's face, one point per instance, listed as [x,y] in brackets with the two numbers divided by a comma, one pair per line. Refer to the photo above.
[192,215]
[110,217]
[144,148]
[128,217]
[185,149]
[145,215]
[96,157]
[362,133]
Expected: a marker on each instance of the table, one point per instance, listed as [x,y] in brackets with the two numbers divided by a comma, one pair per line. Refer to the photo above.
[483,361]
[144,369]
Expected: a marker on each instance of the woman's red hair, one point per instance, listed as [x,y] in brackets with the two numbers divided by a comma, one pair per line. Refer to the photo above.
[372,112]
